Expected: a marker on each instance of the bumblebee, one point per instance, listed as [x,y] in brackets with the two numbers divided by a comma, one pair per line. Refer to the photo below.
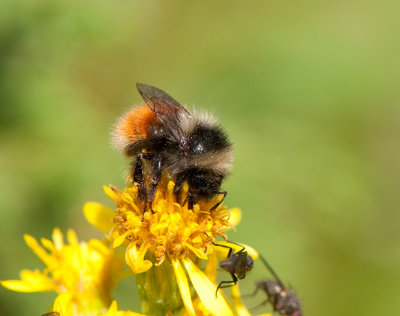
[163,136]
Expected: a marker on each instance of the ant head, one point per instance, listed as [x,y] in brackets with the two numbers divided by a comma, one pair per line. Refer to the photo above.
[249,262]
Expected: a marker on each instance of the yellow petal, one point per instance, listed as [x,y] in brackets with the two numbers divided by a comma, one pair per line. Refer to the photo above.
[58,238]
[120,239]
[99,216]
[99,247]
[196,251]
[197,239]
[113,311]
[206,290]
[63,304]
[240,309]
[222,252]
[32,281]
[236,216]
[38,250]
[251,251]
[48,245]
[183,285]
[135,258]
[111,193]
[211,267]
[72,238]
[27,287]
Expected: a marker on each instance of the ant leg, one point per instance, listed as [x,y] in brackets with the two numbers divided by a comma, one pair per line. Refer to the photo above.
[218,204]
[251,294]
[227,284]
[232,242]
[272,271]
[235,243]
[225,246]
[259,305]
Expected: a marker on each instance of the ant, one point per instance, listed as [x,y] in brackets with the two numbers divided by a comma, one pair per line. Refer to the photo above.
[237,264]
[283,300]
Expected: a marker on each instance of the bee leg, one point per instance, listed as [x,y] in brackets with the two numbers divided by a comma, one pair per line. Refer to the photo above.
[155,179]
[189,199]
[224,284]
[186,200]
[223,198]
[179,182]
[138,175]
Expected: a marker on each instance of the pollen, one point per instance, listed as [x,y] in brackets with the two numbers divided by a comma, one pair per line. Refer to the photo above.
[170,229]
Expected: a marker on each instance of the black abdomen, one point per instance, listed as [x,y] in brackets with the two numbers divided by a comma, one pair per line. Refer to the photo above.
[203,183]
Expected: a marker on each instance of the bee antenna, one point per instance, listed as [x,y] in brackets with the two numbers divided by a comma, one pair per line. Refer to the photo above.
[268,266]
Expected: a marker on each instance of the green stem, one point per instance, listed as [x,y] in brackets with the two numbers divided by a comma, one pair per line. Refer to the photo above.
[158,290]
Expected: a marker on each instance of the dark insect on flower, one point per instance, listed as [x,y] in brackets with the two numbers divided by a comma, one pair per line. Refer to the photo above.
[237,264]
[283,300]
[52,314]
[163,136]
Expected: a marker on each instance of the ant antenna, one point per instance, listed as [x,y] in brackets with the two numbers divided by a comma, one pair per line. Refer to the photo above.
[267,265]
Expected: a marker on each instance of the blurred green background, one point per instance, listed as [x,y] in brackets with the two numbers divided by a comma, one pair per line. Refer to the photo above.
[308,91]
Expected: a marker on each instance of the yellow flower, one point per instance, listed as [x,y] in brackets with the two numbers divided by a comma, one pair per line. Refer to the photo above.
[83,274]
[113,311]
[165,245]
[239,309]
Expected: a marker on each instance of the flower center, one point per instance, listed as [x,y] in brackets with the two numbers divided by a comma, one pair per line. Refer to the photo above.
[170,229]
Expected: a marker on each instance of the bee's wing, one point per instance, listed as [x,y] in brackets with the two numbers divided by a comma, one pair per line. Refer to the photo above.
[166,108]
[52,314]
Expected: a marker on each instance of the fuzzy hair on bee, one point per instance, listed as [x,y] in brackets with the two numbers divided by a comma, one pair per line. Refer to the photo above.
[163,136]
